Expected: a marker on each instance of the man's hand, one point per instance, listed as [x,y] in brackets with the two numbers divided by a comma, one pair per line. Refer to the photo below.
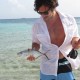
[75,43]
[31,58]
[36,47]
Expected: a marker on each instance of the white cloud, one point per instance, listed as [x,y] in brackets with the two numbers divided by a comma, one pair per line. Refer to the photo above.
[17,4]
[25,8]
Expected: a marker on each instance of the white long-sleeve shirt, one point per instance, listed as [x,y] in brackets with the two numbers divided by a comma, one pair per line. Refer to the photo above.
[41,35]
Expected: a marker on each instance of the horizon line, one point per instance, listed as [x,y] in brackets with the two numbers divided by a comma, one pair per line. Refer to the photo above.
[27,18]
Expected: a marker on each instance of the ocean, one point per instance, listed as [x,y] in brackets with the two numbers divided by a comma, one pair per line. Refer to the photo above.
[15,36]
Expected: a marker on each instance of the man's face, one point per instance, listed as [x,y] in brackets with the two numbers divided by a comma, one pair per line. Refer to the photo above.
[45,12]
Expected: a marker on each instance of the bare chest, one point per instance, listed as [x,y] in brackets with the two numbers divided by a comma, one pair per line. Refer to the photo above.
[57,34]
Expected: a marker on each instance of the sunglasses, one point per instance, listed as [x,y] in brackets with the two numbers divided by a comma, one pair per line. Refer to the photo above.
[44,13]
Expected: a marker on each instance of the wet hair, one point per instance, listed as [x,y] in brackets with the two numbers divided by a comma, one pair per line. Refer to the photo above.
[52,4]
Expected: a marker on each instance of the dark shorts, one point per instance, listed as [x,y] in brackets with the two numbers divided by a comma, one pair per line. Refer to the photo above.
[64,72]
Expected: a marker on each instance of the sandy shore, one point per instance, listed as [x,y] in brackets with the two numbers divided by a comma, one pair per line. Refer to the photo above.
[77,73]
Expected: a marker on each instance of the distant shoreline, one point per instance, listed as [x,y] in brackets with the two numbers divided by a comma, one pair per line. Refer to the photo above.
[22,20]
[19,18]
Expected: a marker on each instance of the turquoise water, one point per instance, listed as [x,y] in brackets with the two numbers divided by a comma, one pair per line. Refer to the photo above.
[15,36]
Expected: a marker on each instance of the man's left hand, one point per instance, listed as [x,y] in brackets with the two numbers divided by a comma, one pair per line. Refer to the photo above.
[75,43]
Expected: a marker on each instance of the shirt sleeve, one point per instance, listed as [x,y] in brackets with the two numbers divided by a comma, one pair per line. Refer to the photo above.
[76,33]
[34,34]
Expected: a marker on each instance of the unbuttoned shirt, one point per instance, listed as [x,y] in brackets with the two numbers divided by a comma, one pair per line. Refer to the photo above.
[41,36]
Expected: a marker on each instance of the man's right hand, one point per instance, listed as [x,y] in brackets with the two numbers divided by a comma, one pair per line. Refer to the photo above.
[31,58]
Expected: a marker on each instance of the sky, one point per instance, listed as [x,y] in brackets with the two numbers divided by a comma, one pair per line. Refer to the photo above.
[11,9]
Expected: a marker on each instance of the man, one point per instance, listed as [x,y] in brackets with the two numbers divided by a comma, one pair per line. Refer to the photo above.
[57,33]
